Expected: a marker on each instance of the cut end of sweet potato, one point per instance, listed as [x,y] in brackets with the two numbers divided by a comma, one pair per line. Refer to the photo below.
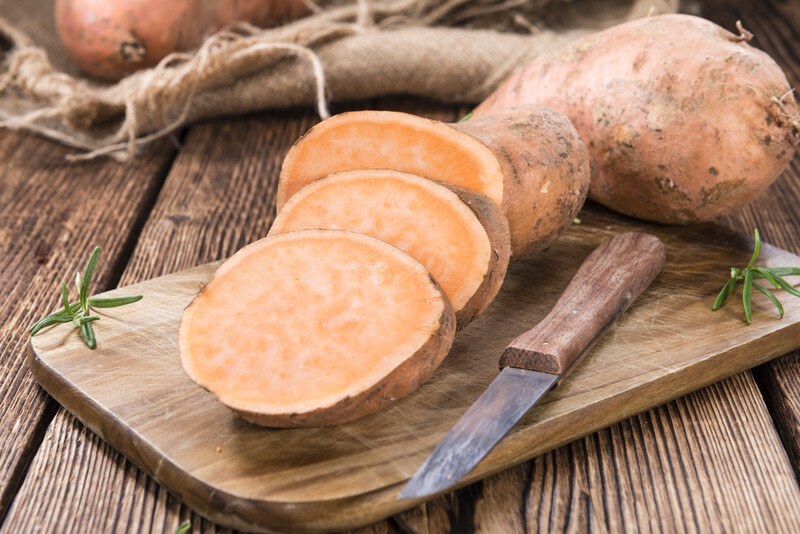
[315,328]
[390,140]
[461,237]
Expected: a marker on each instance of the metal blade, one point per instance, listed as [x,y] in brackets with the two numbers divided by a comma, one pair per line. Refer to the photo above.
[504,403]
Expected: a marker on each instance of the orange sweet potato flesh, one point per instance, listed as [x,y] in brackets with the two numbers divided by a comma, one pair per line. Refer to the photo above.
[461,237]
[529,160]
[316,327]
[109,39]
[684,120]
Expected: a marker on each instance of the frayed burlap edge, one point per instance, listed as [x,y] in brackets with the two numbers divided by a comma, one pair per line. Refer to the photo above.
[350,52]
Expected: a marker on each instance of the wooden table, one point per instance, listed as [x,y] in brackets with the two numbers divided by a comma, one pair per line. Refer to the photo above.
[724,458]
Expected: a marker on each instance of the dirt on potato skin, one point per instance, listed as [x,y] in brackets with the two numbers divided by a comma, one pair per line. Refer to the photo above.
[545,167]
[684,120]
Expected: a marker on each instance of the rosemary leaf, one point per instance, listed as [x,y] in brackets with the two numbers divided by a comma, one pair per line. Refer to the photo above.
[65,299]
[784,271]
[50,320]
[183,528]
[78,282]
[747,296]
[756,250]
[87,333]
[724,295]
[769,276]
[86,279]
[749,275]
[113,302]
[466,117]
[771,297]
[78,313]
[786,286]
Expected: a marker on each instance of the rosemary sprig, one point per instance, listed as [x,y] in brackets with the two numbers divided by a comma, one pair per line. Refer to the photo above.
[79,312]
[183,528]
[749,276]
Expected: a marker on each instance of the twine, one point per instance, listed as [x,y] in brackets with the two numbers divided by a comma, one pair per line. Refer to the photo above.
[117,120]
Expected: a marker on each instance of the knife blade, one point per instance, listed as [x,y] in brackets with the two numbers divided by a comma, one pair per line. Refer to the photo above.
[608,281]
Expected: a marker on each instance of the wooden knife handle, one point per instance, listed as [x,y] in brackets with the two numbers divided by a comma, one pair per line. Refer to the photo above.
[610,279]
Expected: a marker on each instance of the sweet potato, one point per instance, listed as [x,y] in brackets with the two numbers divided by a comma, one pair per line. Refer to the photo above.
[109,39]
[315,327]
[529,160]
[684,120]
[460,236]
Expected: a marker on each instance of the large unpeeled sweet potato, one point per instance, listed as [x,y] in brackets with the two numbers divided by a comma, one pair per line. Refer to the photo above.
[315,327]
[460,236]
[111,38]
[684,120]
[529,160]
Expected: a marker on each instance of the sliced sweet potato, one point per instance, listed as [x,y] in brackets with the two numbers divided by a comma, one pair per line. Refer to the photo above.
[315,327]
[529,160]
[460,236]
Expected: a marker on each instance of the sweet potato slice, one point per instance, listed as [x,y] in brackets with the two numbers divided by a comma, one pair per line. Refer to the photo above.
[317,327]
[461,237]
[530,161]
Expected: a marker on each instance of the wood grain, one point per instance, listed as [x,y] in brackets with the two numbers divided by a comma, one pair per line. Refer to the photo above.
[136,396]
[51,214]
[79,483]
[658,471]
[775,213]
[673,501]
[609,280]
[216,198]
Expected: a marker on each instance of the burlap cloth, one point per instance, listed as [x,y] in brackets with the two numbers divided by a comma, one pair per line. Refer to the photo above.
[453,51]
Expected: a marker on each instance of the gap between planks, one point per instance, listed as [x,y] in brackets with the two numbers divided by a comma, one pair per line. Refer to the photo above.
[48,223]
[775,213]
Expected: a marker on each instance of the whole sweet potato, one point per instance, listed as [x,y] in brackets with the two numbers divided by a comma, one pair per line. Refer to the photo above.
[684,120]
[109,39]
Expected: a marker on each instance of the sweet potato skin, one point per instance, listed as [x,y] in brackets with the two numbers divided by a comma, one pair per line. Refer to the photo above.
[110,39]
[496,226]
[545,167]
[674,137]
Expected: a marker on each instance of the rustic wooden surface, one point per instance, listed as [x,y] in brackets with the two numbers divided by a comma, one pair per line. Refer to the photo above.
[102,202]
[133,392]
[712,460]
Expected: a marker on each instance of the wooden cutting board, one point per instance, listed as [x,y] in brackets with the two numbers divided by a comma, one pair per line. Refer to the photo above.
[134,394]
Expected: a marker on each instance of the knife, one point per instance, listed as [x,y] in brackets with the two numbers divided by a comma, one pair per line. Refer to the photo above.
[609,280]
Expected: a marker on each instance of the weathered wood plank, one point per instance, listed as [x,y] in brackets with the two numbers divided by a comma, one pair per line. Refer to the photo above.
[634,473]
[776,213]
[135,394]
[51,214]
[706,462]
[704,497]
[217,197]
[191,226]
